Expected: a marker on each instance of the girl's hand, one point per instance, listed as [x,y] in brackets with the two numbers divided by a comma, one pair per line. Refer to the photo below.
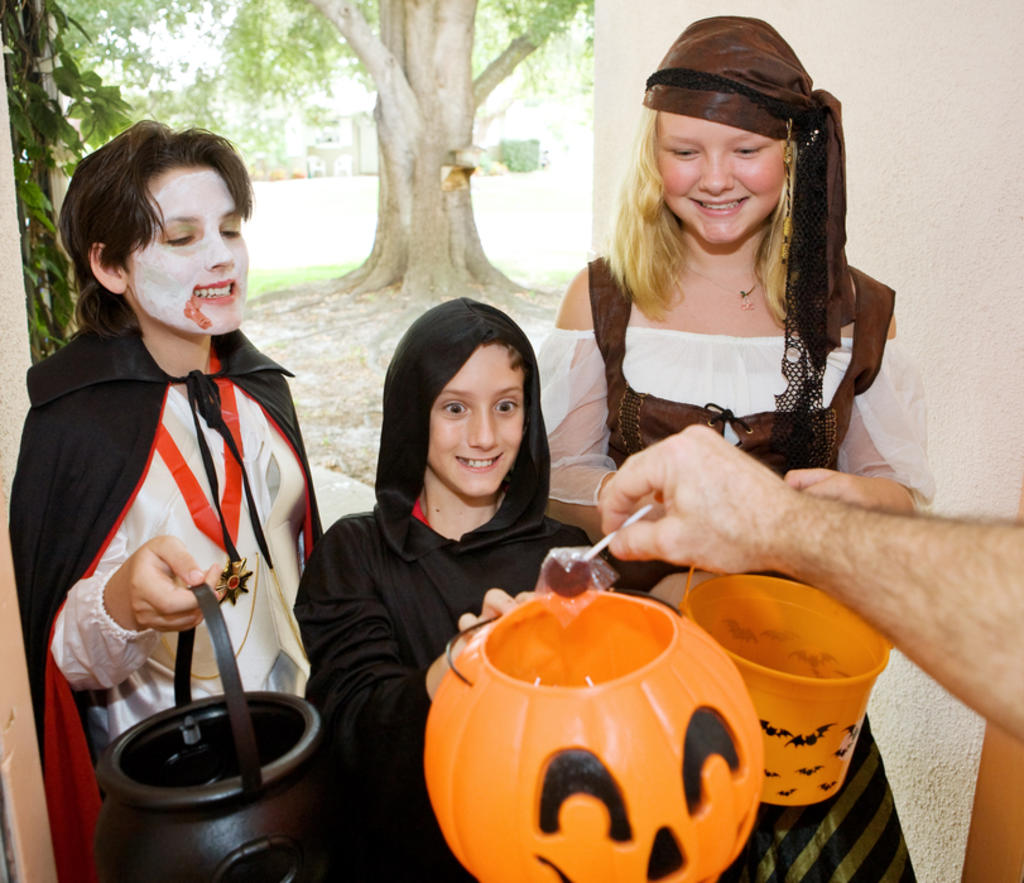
[859,490]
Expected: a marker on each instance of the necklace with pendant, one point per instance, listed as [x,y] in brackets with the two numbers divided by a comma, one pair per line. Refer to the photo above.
[215,396]
[746,304]
[220,525]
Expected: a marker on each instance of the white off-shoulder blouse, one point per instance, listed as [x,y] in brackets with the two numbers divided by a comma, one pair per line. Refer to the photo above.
[886,437]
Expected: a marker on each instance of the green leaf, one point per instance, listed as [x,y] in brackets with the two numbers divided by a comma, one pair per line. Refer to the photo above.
[43,142]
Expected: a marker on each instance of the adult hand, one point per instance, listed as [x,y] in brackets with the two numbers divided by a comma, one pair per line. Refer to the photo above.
[719,504]
[652,499]
[150,590]
[858,490]
[497,602]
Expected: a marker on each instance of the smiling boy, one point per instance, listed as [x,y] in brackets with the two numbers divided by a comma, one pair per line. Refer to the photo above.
[462,480]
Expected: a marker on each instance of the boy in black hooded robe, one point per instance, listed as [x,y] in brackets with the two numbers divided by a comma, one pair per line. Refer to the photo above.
[383,593]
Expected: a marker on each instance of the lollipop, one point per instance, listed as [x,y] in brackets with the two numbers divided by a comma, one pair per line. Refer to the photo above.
[568,572]
[571,570]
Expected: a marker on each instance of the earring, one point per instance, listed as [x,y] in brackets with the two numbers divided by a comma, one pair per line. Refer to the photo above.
[787,220]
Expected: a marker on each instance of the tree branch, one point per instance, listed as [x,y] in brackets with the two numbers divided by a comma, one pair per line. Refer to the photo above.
[546,19]
[501,67]
[379,61]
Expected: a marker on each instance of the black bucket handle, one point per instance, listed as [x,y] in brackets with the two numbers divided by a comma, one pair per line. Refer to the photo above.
[238,708]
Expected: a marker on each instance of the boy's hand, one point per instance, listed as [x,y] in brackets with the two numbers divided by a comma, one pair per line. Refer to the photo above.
[150,590]
[497,602]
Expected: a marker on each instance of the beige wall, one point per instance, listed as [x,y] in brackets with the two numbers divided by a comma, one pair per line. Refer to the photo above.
[14,351]
[930,90]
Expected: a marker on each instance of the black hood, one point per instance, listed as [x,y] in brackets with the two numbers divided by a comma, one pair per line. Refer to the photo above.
[430,353]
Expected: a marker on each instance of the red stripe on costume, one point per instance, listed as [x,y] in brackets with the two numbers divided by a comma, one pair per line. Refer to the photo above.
[203,514]
[72,795]
[231,503]
[198,507]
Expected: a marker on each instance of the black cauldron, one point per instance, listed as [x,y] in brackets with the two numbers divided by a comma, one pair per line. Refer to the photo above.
[229,789]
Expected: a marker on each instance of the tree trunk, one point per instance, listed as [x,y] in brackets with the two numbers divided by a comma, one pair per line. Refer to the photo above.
[426,243]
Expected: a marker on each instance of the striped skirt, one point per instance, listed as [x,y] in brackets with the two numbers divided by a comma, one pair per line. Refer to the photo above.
[853,837]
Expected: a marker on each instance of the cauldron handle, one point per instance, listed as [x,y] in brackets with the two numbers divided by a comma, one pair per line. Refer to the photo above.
[238,708]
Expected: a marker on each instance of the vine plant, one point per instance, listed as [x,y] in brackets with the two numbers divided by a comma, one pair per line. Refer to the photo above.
[58,112]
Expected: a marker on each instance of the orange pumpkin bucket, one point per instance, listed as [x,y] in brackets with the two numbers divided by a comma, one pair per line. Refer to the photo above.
[809,664]
[615,744]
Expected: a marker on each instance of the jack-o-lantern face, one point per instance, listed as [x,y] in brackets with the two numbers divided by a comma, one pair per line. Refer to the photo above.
[574,771]
[646,767]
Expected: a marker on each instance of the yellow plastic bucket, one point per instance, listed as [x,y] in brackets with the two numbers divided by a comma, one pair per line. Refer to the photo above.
[809,664]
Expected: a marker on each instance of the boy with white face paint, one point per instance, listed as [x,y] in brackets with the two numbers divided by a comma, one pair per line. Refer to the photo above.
[161,450]
[191,279]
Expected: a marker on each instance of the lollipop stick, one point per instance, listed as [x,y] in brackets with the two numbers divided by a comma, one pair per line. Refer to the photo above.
[604,541]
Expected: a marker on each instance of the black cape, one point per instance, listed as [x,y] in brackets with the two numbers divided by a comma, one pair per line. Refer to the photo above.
[382,595]
[87,440]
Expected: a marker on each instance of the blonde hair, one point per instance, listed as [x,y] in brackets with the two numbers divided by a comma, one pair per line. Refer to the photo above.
[646,253]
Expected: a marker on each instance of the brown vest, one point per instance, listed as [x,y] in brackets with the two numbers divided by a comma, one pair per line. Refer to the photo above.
[637,420]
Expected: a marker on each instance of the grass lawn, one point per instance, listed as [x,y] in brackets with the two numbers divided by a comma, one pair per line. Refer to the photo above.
[263,281]
[535,227]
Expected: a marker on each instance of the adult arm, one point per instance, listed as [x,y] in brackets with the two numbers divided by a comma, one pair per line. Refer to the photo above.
[949,594]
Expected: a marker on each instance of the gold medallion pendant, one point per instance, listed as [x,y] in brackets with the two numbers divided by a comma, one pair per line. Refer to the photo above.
[232,581]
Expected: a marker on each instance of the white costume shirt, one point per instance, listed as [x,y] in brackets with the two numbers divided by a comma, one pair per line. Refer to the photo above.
[131,673]
[886,436]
